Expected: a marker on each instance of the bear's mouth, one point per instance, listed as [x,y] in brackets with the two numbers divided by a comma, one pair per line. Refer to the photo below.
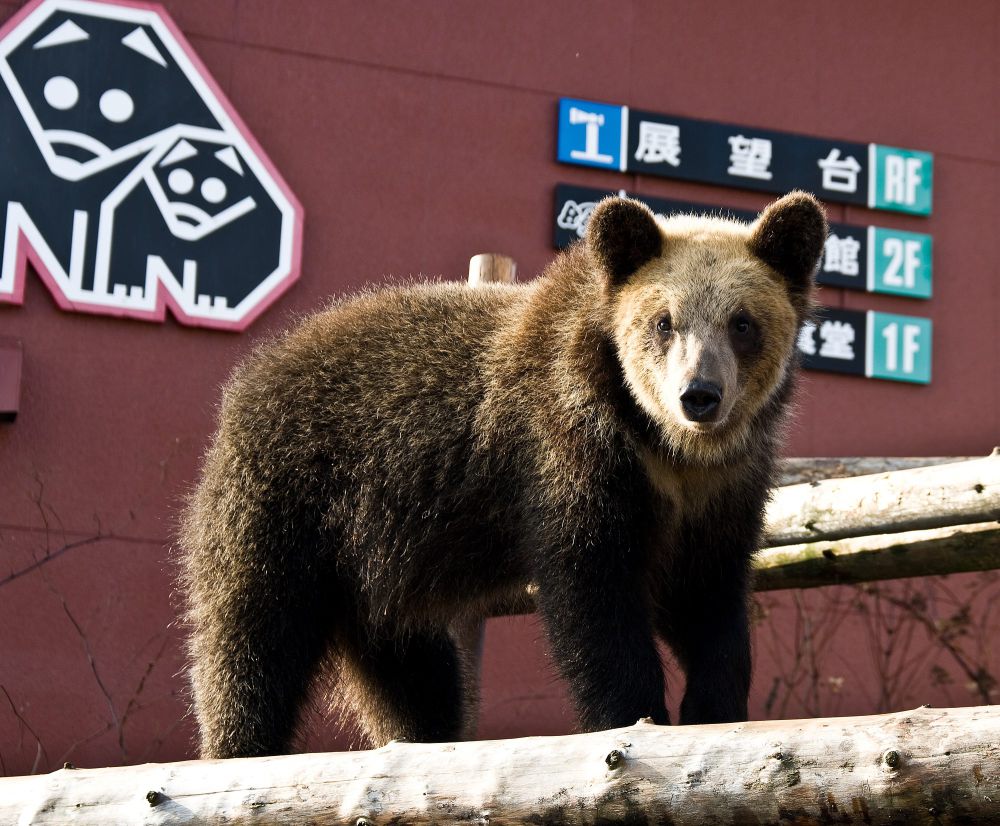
[708,427]
[704,427]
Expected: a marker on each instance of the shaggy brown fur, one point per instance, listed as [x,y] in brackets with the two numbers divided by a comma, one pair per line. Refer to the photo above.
[411,458]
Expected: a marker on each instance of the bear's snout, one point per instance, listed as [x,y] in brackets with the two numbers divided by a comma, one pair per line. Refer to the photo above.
[700,401]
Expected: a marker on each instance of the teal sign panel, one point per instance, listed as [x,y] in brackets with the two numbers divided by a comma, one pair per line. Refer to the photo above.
[899,347]
[900,180]
[900,262]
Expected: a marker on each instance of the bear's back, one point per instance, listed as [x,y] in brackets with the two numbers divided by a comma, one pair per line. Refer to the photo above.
[390,353]
[371,406]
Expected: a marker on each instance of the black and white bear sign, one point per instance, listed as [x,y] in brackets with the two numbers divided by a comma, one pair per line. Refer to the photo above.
[128,180]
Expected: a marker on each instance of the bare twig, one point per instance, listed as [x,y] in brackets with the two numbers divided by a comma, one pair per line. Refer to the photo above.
[39,748]
[49,557]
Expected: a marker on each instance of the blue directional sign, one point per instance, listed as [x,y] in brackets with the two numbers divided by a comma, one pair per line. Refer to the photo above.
[669,146]
[878,260]
[591,134]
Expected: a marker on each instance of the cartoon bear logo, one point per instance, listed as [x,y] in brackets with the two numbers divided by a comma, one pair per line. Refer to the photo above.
[128,180]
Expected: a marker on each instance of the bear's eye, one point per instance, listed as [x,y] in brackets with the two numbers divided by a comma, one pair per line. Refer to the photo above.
[744,334]
[663,325]
[742,324]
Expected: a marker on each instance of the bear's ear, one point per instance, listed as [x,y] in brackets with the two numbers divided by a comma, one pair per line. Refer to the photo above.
[622,236]
[789,235]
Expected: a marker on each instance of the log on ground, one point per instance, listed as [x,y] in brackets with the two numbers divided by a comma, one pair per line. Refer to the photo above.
[929,766]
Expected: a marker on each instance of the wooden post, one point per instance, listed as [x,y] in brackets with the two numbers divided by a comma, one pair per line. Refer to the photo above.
[929,766]
[491,268]
[485,268]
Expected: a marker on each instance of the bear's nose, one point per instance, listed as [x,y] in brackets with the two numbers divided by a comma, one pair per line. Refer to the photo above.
[700,400]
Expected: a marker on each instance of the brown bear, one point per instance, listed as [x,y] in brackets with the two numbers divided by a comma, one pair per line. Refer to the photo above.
[411,459]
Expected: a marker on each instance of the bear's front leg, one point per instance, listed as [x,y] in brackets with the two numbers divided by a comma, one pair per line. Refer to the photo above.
[712,642]
[596,618]
[703,617]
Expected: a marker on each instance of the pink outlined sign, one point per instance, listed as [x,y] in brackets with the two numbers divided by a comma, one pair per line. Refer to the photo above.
[128,180]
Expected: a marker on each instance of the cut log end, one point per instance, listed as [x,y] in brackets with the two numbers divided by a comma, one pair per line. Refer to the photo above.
[491,268]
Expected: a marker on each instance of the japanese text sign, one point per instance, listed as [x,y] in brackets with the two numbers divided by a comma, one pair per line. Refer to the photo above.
[629,140]
[868,343]
[872,259]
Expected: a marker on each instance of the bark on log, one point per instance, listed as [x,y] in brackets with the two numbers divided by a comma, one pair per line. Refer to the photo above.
[937,766]
[904,500]
[951,550]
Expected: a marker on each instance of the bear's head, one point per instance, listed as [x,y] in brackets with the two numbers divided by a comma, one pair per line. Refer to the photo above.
[705,313]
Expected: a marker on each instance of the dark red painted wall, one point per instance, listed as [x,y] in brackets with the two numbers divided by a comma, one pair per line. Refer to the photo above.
[417,135]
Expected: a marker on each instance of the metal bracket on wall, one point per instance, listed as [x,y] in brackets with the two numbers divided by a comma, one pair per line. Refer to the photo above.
[11,356]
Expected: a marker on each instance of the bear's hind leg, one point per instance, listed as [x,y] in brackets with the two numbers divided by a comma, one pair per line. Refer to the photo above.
[255,654]
[406,686]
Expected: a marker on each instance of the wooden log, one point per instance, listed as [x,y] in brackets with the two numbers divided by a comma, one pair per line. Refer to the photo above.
[929,766]
[933,552]
[872,558]
[962,545]
[959,549]
[796,471]
[903,500]
[491,268]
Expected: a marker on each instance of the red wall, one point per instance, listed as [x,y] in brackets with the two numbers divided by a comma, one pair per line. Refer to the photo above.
[417,135]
